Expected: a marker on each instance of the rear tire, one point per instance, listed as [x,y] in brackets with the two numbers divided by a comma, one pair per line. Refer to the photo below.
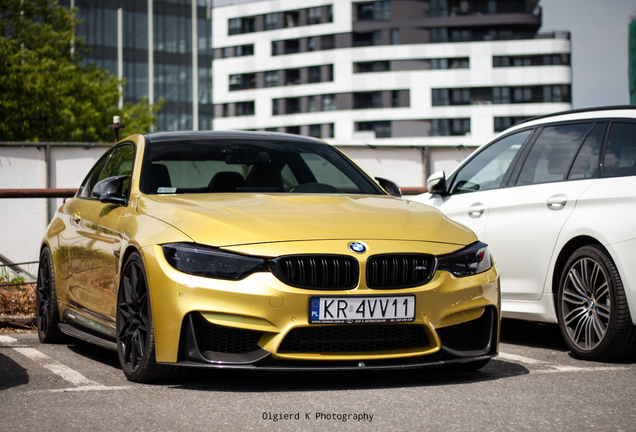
[592,309]
[135,331]
[47,312]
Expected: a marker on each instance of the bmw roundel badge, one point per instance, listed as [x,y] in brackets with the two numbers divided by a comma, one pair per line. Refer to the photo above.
[357,247]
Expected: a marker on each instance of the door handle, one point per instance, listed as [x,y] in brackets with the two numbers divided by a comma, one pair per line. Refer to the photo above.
[476,210]
[556,202]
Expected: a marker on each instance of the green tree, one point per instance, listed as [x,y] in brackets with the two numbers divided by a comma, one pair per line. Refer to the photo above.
[45,94]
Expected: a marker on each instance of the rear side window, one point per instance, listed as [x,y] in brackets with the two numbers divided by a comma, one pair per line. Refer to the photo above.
[551,155]
[620,153]
[586,163]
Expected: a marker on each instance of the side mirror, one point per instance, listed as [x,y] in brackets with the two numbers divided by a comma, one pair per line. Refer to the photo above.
[391,187]
[436,183]
[110,190]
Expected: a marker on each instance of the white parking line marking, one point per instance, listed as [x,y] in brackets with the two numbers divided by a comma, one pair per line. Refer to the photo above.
[57,368]
[7,340]
[83,388]
[560,369]
[518,358]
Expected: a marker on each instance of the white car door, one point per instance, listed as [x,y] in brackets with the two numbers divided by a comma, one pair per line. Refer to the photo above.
[477,182]
[525,220]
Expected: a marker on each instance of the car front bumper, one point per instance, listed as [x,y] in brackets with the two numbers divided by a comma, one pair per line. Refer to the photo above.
[259,322]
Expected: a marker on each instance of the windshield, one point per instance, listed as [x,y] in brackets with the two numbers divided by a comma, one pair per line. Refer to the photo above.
[235,166]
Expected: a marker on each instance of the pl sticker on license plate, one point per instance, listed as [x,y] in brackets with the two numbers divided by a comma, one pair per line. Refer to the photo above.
[357,310]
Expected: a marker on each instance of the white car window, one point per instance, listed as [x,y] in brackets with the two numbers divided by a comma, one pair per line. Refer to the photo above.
[487,169]
[620,155]
[586,163]
[551,155]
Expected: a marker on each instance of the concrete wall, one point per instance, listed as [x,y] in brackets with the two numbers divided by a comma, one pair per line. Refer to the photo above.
[23,221]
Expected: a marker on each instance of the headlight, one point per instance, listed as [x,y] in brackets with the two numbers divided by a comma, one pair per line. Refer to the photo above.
[470,260]
[210,262]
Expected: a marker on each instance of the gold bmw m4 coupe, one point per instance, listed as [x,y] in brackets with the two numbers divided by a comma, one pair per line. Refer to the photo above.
[267,251]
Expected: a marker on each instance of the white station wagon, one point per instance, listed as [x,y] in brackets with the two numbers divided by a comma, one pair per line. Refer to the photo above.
[555,199]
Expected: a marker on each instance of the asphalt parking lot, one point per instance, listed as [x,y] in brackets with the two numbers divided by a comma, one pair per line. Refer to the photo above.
[534,384]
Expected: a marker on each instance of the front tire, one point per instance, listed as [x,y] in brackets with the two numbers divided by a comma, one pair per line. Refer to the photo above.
[135,332]
[47,312]
[592,309]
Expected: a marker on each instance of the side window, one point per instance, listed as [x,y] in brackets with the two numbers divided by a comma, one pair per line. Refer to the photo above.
[92,178]
[620,154]
[487,169]
[586,163]
[551,155]
[119,163]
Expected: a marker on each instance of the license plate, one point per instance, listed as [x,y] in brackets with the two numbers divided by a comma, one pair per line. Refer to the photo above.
[356,310]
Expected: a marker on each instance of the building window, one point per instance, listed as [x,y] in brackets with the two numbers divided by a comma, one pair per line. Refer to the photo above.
[460,97]
[315,130]
[329,74]
[373,66]
[311,44]
[439,35]
[382,129]
[329,102]
[500,95]
[367,38]
[292,46]
[240,25]
[395,98]
[244,108]
[531,60]
[450,127]
[441,97]
[314,74]
[503,123]
[311,104]
[293,130]
[374,11]
[242,81]
[292,105]
[271,78]
[271,21]
[292,76]
[291,19]
[366,100]
[438,8]
[450,63]
[313,15]
[328,42]
[395,36]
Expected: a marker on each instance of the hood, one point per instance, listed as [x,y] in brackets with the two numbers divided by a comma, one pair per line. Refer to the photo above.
[236,219]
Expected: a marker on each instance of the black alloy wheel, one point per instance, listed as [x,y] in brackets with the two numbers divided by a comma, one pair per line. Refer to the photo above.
[592,309]
[135,333]
[47,314]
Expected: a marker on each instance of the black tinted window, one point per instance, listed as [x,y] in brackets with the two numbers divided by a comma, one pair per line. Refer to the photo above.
[551,155]
[620,153]
[586,163]
[487,169]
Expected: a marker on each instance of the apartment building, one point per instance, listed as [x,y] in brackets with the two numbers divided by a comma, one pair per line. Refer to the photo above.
[404,87]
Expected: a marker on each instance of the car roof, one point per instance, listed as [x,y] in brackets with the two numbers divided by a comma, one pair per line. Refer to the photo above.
[625,111]
[155,137]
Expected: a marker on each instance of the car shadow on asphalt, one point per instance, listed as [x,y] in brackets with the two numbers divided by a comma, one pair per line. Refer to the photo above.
[275,381]
[532,334]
